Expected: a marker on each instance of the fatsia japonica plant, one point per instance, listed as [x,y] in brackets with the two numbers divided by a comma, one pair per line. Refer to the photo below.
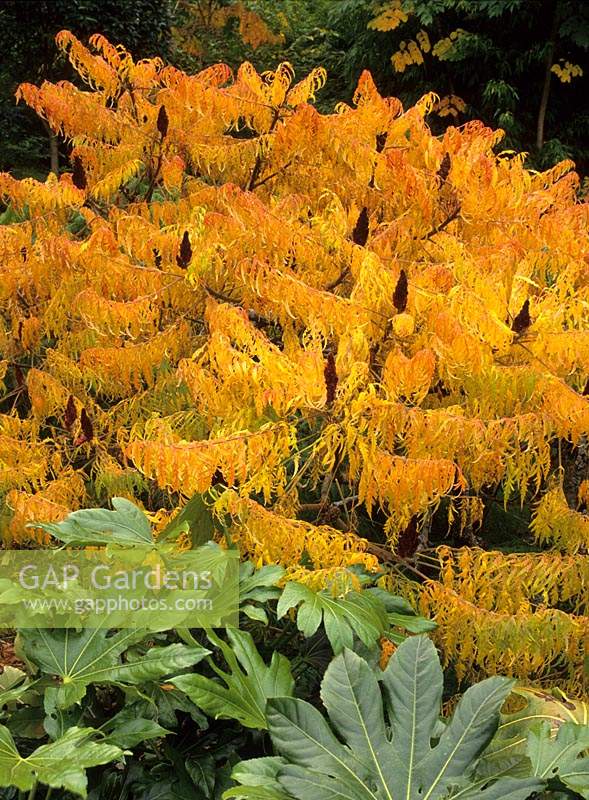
[141,714]
[387,741]
[348,332]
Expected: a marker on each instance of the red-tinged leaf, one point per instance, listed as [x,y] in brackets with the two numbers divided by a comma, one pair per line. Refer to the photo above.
[80,440]
[445,167]
[185,255]
[408,540]
[360,232]
[71,413]
[522,320]
[401,292]
[162,122]
[79,174]
[330,376]
[86,425]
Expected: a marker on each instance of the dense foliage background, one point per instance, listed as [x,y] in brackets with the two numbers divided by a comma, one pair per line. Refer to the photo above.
[499,66]
[353,345]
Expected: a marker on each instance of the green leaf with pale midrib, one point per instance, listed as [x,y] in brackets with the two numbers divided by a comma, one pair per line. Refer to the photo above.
[125,525]
[89,656]
[244,691]
[60,764]
[389,745]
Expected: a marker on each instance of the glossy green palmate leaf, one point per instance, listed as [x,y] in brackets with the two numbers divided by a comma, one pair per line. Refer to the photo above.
[385,743]
[127,730]
[257,586]
[162,703]
[196,518]
[511,740]
[242,693]
[60,764]
[366,614]
[258,779]
[400,615]
[561,756]
[14,685]
[342,617]
[90,656]
[210,779]
[127,525]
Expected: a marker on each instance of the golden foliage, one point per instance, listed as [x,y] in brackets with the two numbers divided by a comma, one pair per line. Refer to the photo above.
[389,17]
[566,71]
[269,538]
[284,305]
[555,523]
[201,17]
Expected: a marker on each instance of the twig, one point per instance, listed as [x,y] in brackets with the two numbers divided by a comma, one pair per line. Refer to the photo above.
[259,158]
[439,228]
[337,503]
[272,175]
[223,298]
[341,277]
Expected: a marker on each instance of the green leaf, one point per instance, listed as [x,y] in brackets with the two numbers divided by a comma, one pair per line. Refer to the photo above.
[502,789]
[471,729]
[195,517]
[60,764]
[126,525]
[202,773]
[59,720]
[560,757]
[27,722]
[161,703]
[351,695]
[255,612]
[126,731]
[14,684]
[259,584]
[248,685]
[258,779]
[510,741]
[357,613]
[389,743]
[414,682]
[135,731]
[89,656]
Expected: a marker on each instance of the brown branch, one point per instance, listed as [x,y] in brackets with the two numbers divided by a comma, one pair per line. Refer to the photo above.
[151,187]
[259,158]
[321,505]
[443,225]
[389,557]
[272,175]
[340,278]
[223,298]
